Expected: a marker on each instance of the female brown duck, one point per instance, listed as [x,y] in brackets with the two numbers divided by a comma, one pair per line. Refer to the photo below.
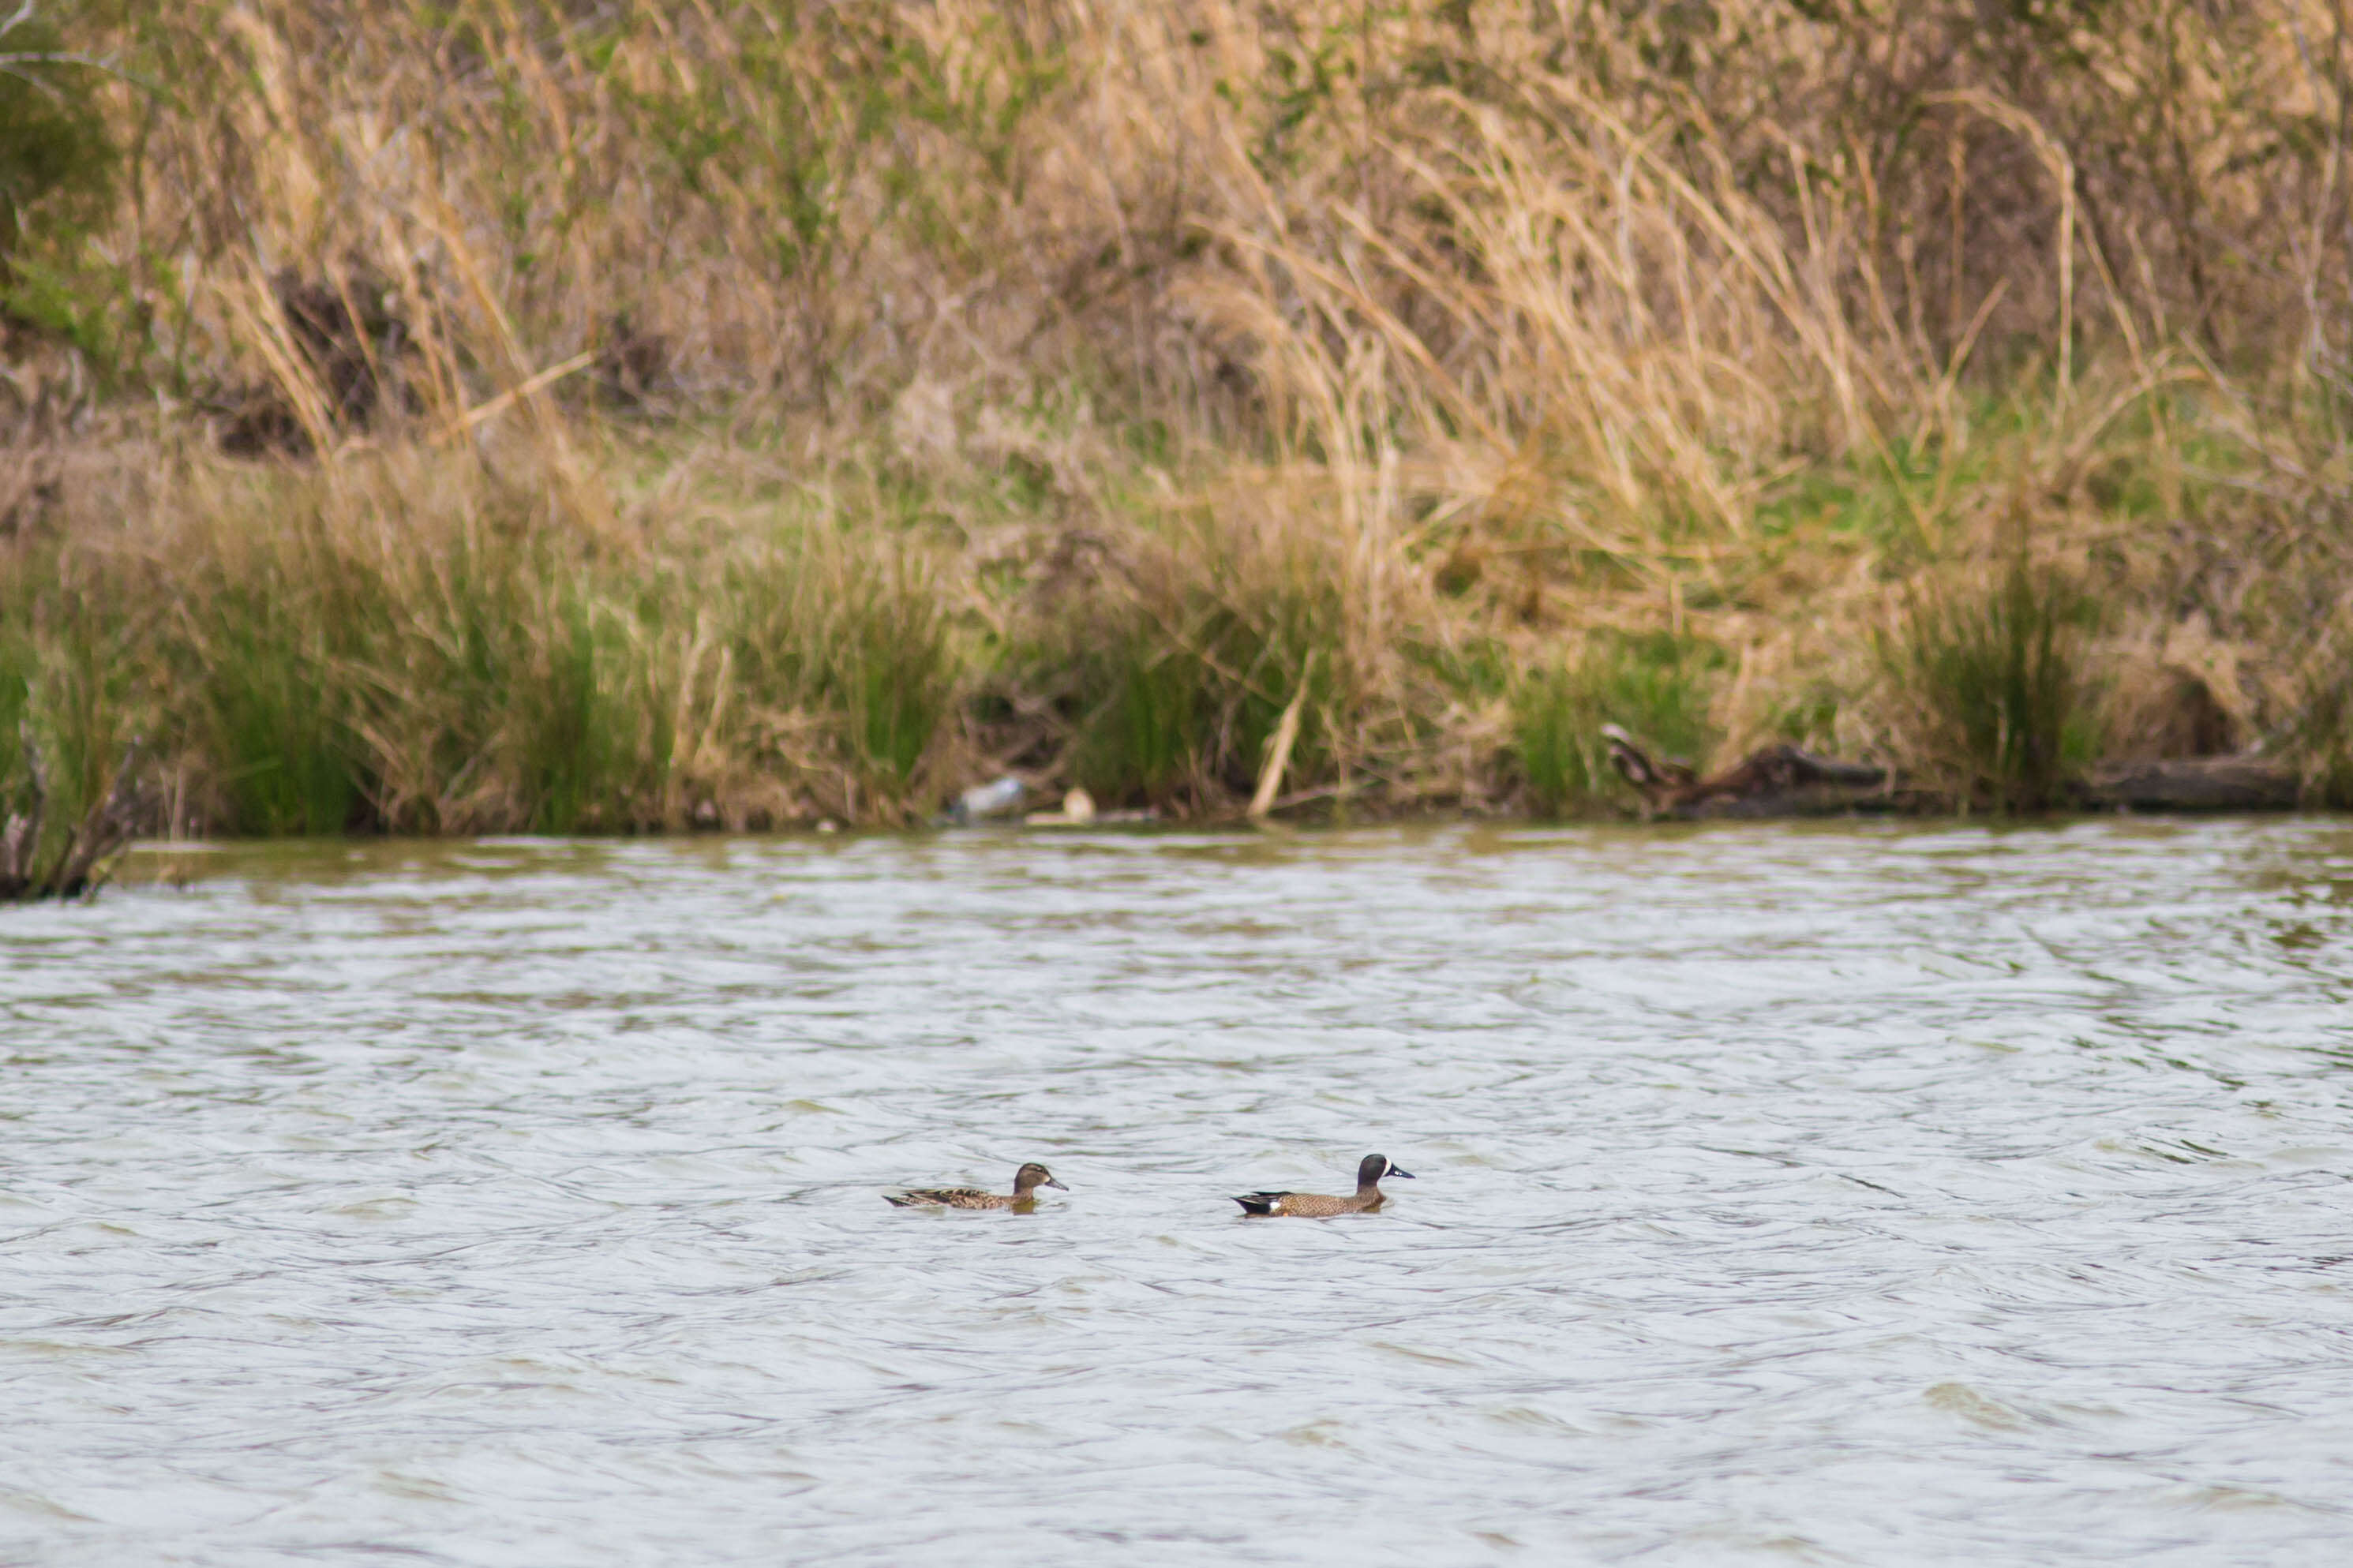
[1315,1205]
[1025,1183]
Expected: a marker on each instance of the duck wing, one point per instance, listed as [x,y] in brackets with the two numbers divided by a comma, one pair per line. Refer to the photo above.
[947,1197]
[1300,1205]
[1311,1206]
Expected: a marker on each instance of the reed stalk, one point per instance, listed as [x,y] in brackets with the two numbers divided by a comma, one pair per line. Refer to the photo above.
[507,415]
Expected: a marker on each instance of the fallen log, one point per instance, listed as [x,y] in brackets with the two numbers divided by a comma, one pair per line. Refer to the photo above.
[2191,783]
[1783,781]
[1778,781]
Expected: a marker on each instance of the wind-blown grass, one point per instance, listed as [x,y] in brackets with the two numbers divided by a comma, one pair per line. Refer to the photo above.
[506,415]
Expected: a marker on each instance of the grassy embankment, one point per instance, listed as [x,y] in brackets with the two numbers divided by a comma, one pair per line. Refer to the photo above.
[513,415]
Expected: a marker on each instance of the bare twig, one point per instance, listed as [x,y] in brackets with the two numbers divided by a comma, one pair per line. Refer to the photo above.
[86,858]
[21,840]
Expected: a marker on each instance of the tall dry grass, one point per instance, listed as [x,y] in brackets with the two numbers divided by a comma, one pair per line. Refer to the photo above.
[653,412]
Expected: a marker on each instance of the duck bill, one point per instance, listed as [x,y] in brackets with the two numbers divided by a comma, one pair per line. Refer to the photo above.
[1393,1171]
[1057,1186]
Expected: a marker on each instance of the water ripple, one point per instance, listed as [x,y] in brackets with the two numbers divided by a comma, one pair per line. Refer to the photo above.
[1817,1194]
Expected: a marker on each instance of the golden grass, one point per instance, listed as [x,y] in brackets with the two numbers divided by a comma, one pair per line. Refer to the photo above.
[673,412]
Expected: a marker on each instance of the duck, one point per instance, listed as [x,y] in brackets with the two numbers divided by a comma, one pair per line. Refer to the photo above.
[1317,1206]
[1025,1183]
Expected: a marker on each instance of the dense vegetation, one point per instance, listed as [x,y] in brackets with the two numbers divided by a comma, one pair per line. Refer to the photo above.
[570,414]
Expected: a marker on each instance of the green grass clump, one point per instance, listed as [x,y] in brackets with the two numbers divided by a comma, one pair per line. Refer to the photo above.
[431,648]
[270,708]
[75,657]
[1654,687]
[851,639]
[1555,728]
[72,716]
[883,658]
[1178,680]
[1145,718]
[572,731]
[1995,675]
[484,670]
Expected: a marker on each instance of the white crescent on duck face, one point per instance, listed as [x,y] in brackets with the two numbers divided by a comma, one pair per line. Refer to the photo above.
[1025,1183]
[1319,1205]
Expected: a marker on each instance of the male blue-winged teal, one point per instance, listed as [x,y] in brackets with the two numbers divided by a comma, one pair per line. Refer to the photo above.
[1315,1205]
[1025,1183]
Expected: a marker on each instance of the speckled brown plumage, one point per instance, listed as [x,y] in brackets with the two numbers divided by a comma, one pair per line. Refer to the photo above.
[1317,1205]
[1025,1183]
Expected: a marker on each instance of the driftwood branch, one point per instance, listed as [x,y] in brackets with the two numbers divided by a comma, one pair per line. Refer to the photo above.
[82,863]
[1782,781]
[2192,784]
[106,830]
[1778,781]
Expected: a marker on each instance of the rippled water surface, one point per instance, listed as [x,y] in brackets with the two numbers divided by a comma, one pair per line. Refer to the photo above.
[1839,1194]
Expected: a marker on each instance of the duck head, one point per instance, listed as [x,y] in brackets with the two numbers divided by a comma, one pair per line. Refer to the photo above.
[1032,1176]
[1375,1167]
